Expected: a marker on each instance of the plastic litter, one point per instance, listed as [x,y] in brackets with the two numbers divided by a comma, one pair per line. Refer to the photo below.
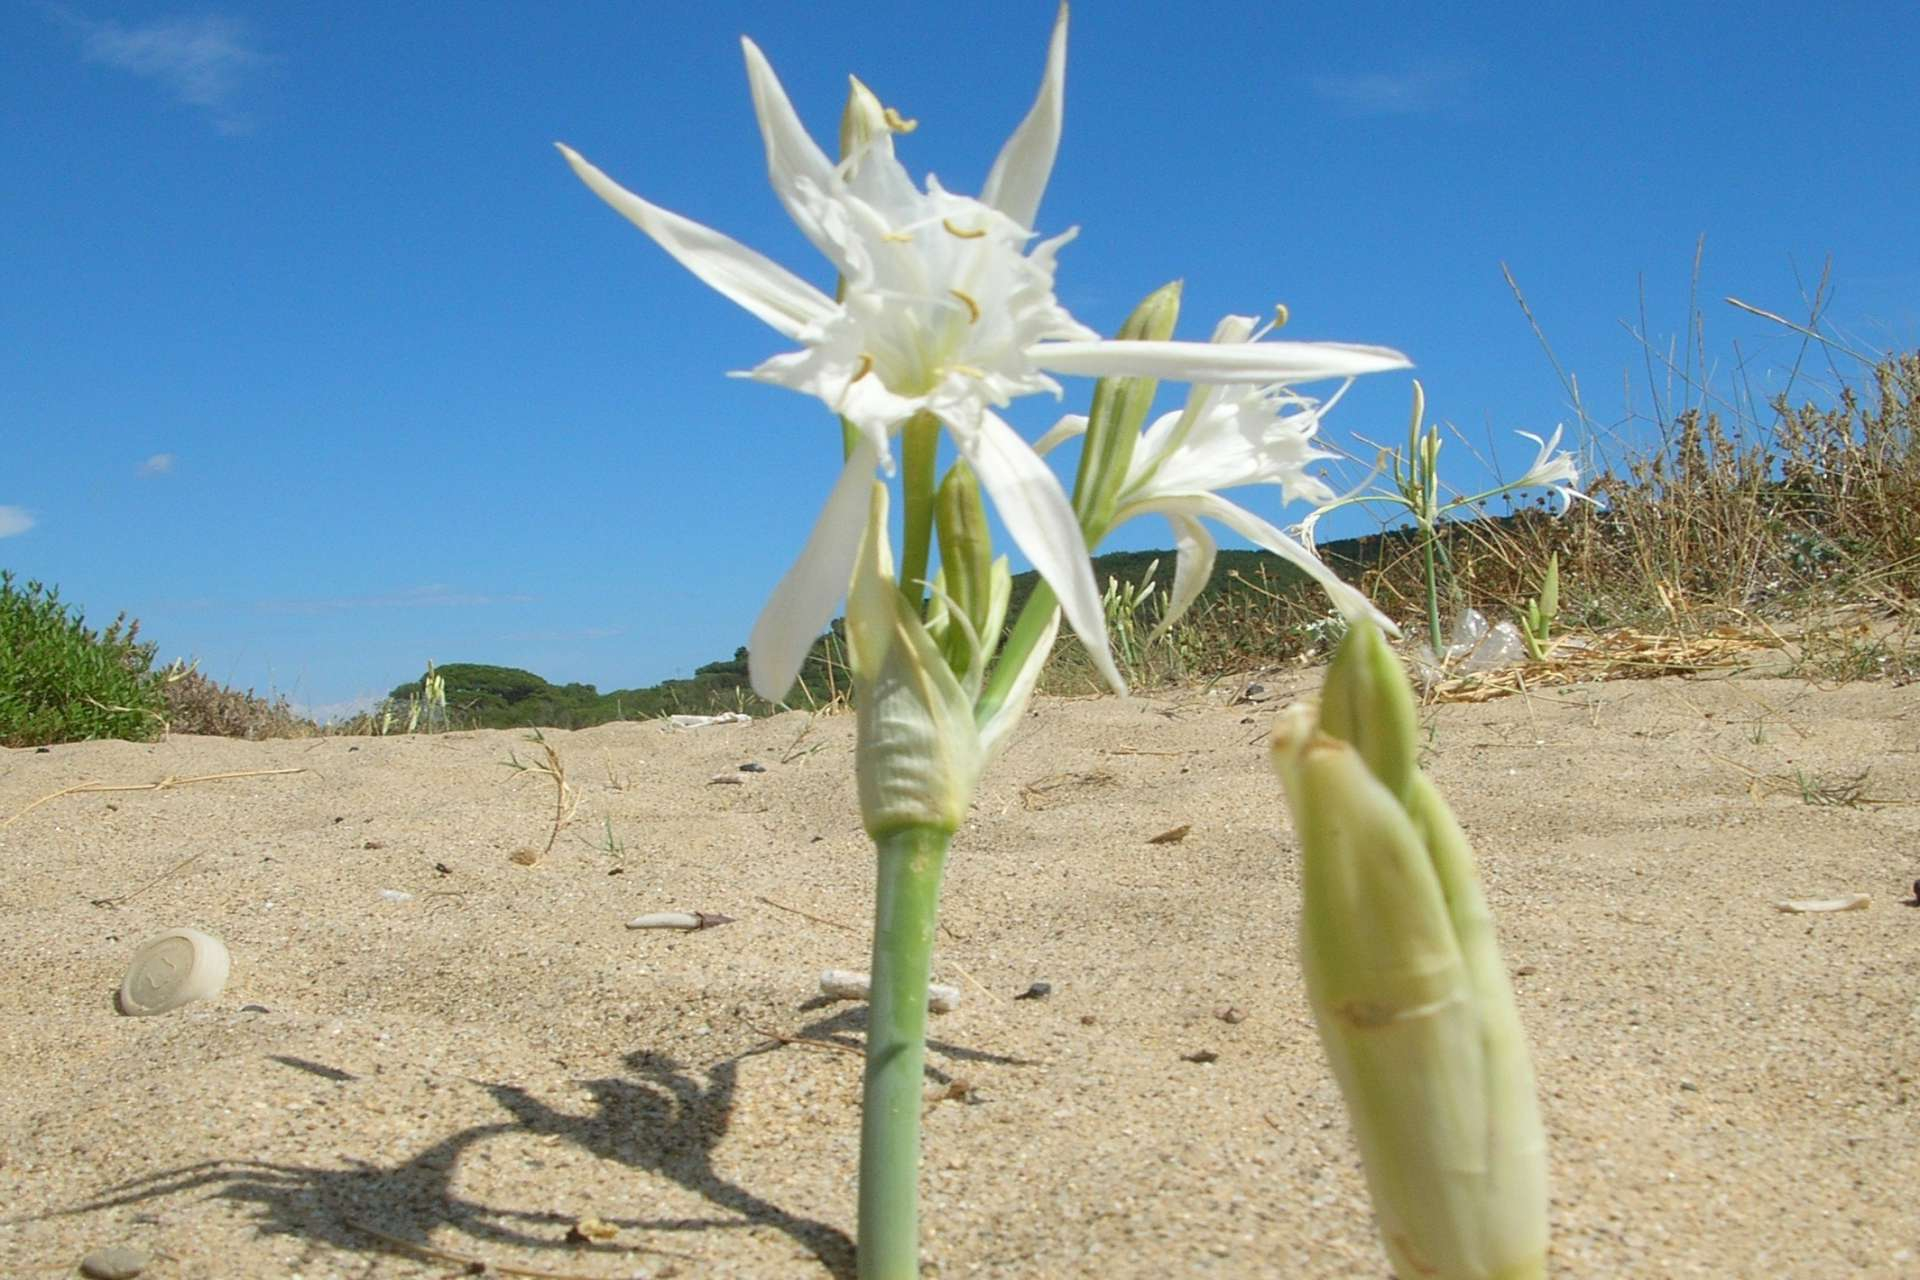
[1473,646]
[845,984]
[171,969]
[702,722]
[1803,906]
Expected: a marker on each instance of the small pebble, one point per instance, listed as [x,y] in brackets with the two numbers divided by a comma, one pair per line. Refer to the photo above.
[753,766]
[115,1262]
[1229,1013]
[254,1008]
[1037,991]
[1201,1056]
[726,780]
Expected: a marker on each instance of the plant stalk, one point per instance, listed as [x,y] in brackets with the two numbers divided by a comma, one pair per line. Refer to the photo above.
[911,863]
[1433,597]
[919,458]
[1027,630]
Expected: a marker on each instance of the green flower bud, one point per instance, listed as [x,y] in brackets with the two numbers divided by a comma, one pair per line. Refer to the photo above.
[966,565]
[1407,986]
[919,753]
[1113,423]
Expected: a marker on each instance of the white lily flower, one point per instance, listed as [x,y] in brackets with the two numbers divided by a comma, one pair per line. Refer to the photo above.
[1557,472]
[942,308]
[1228,436]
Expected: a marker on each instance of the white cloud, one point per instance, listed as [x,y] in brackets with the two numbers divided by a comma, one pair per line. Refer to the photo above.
[202,61]
[159,464]
[1420,91]
[14,520]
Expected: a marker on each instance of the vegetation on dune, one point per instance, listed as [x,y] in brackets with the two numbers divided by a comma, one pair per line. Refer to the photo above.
[1725,519]
[61,681]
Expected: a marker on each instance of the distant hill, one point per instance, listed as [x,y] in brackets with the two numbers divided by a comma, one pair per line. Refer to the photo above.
[495,697]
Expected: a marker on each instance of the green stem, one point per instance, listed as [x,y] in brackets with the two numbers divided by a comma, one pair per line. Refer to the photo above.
[1027,630]
[919,456]
[1433,595]
[911,861]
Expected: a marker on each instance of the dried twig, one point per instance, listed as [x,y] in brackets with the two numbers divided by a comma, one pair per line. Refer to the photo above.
[129,897]
[565,801]
[1622,654]
[808,915]
[807,1041]
[481,1266]
[164,784]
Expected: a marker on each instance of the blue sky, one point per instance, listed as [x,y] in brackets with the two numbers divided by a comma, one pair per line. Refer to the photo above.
[316,359]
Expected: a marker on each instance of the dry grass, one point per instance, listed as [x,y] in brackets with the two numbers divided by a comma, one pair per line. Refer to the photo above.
[196,704]
[1723,525]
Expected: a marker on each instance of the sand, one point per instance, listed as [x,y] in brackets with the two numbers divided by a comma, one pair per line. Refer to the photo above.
[1728,1090]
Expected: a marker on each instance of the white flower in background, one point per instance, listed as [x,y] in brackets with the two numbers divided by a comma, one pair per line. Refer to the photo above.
[1225,437]
[1557,472]
[943,308]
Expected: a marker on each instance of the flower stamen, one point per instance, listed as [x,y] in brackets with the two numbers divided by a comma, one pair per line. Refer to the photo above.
[964,235]
[973,308]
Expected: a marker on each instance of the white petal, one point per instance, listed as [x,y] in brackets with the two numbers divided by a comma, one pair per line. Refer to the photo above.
[759,284]
[1253,362]
[1257,531]
[993,734]
[1042,524]
[1020,173]
[795,164]
[1069,426]
[1191,570]
[804,602]
[871,615]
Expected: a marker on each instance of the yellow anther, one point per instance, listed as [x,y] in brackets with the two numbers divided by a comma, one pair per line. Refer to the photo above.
[1279,315]
[964,235]
[973,308]
[899,123]
[866,367]
[898,237]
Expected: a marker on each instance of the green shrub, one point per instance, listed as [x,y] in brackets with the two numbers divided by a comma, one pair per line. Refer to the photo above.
[61,682]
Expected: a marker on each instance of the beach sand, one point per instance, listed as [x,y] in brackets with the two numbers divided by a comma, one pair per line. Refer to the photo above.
[1729,1090]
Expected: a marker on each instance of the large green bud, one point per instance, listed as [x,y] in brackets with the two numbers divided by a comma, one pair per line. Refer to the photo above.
[918,752]
[1407,985]
[1113,422]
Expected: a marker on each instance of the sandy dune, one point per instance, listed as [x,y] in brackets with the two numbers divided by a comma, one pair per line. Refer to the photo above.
[1729,1090]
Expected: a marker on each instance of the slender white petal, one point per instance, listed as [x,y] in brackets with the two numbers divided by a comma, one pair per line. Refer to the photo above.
[1256,362]
[993,734]
[757,283]
[1556,472]
[1192,567]
[1069,426]
[800,172]
[1020,173]
[804,602]
[1042,524]
[1257,531]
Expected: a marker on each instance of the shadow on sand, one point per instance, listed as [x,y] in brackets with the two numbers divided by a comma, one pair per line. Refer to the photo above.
[663,1119]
